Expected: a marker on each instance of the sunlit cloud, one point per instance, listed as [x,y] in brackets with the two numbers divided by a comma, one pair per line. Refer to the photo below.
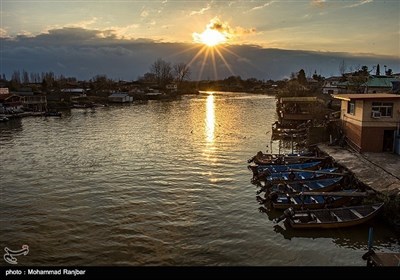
[84,23]
[3,33]
[261,6]
[318,3]
[201,11]
[359,3]
[144,14]
[220,32]
[25,33]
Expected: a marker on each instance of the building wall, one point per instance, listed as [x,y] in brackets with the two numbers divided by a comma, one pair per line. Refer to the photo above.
[353,132]
[363,117]
[392,122]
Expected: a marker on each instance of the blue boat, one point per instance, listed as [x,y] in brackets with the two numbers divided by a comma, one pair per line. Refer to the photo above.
[317,185]
[314,200]
[272,168]
[293,175]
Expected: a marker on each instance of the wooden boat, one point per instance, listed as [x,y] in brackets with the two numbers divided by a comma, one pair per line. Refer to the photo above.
[331,217]
[287,159]
[294,176]
[305,201]
[317,185]
[261,158]
[275,168]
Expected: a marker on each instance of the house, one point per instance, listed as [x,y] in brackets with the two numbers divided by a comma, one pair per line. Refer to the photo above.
[120,97]
[33,102]
[171,88]
[331,85]
[4,91]
[10,104]
[370,122]
[74,93]
[379,84]
[296,110]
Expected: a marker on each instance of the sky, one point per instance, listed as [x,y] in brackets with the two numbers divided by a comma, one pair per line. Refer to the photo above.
[123,38]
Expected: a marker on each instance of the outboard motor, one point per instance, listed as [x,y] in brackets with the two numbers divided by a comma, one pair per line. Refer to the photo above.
[286,214]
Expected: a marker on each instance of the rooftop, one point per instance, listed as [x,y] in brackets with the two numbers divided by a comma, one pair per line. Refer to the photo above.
[349,97]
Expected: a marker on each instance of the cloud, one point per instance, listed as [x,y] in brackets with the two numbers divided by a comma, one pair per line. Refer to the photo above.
[84,23]
[225,28]
[144,14]
[318,3]
[84,53]
[261,6]
[201,11]
[359,3]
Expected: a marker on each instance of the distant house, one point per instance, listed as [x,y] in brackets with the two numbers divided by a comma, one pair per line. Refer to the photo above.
[4,91]
[34,102]
[370,121]
[120,97]
[379,84]
[299,109]
[331,86]
[74,93]
[10,103]
[171,87]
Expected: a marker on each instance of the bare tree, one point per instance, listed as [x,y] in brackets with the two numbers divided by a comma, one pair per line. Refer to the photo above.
[342,67]
[162,71]
[25,77]
[182,72]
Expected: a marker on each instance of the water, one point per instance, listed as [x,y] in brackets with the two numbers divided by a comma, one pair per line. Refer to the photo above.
[155,183]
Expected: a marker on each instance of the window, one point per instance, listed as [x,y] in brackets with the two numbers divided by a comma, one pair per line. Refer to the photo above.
[351,107]
[385,108]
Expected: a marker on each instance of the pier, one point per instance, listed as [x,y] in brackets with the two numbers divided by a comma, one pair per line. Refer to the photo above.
[378,171]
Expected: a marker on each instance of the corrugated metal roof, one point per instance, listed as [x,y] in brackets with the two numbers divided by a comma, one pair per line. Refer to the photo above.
[380,82]
[349,97]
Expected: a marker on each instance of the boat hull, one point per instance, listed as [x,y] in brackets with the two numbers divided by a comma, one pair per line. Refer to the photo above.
[323,218]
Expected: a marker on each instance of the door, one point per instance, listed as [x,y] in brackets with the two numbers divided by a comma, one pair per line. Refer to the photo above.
[388,141]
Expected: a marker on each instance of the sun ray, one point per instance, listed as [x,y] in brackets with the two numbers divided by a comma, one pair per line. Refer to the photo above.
[204,62]
[226,63]
[197,55]
[214,63]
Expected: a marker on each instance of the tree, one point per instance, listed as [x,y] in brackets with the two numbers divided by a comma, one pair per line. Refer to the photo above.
[16,77]
[301,77]
[25,77]
[182,72]
[162,71]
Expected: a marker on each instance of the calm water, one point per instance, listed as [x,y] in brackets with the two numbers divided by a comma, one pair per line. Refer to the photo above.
[154,183]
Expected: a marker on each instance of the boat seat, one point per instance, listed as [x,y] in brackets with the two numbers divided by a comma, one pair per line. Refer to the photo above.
[318,199]
[356,213]
[336,217]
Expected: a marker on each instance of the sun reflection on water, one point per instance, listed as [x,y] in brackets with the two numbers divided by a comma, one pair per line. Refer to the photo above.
[210,118]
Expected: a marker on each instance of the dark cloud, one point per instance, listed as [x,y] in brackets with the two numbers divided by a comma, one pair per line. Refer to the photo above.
[85,53]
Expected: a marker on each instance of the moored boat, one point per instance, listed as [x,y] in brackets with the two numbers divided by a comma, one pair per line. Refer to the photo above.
[294,175]
[330,217]
[317,185]
[305,201]
[261,158]
[275,168]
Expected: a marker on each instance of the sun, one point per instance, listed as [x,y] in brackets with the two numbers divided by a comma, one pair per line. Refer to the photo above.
[210,37]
